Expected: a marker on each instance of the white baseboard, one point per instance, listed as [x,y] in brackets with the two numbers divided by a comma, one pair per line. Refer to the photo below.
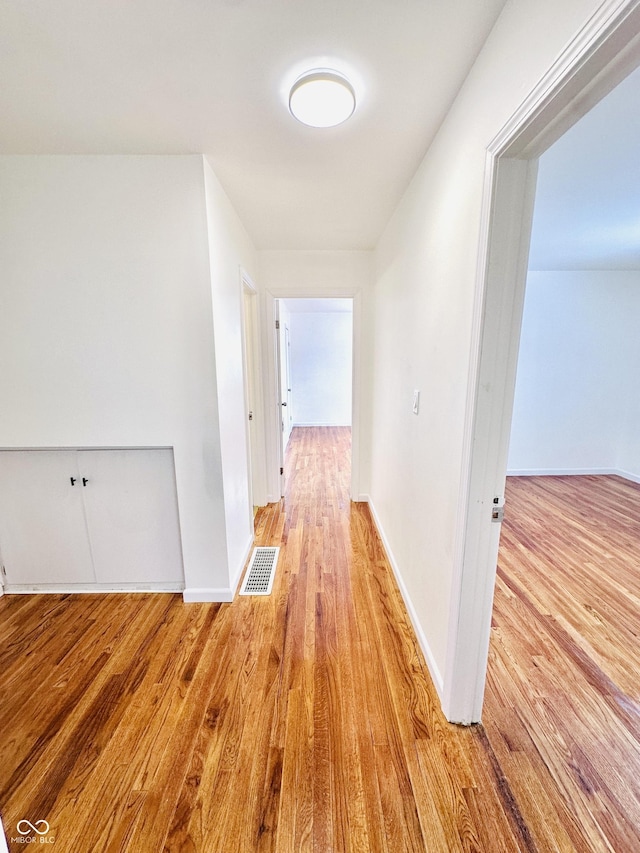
[321,424]
[195,595]
[634,478]
[243,565]
[572,472]
[204,595]
[87,588]
[422,640]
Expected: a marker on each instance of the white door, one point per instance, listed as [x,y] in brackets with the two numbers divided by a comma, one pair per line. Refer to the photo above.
[43,535]
[132,515]
[280,392]
[287,415]
[249,385]
[250,389]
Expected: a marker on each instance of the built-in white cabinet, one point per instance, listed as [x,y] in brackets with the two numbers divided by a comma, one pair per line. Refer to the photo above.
[43,537]
[89,518]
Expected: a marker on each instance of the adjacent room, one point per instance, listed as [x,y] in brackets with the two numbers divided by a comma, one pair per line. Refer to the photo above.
[567,604]
[315,346]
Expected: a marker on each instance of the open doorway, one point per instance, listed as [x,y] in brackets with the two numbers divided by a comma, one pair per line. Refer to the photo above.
[315,366]
[576,407]
[604,54]
[566,610]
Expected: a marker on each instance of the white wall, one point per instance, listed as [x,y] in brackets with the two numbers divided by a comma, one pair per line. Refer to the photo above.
[230,249]
[578,374]
[106,331]
[425,279]
[321,350]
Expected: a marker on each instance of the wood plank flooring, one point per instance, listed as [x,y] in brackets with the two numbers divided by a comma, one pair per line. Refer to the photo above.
[562,706]
[306,720]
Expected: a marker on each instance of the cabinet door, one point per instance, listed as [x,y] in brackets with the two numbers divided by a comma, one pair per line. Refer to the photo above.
[132,515]
[43,536]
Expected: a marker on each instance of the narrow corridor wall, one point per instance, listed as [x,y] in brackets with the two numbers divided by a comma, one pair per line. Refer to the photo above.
[426,272]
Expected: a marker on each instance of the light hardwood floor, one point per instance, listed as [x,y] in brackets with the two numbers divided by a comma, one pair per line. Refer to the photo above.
[306,720]
[562,706]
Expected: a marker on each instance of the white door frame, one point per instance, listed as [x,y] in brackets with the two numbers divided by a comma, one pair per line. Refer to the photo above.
[253,384]
[283,380]
[600,56]
[277,333]
[273,416]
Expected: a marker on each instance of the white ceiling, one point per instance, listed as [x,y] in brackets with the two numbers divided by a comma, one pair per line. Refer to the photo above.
[587,209]
[211,76]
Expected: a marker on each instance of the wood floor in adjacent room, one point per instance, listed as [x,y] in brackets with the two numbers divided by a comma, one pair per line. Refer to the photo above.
[306,720]
[562,706]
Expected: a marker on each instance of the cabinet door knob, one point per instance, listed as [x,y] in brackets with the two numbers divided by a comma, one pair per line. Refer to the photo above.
[73,480]
[84,481]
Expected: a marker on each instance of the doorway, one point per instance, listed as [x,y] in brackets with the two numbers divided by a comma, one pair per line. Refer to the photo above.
[577,381]
[272,300]
[315,365]
[565,613]
[589,70]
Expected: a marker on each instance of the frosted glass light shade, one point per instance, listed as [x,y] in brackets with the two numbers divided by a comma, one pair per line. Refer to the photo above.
[322,98]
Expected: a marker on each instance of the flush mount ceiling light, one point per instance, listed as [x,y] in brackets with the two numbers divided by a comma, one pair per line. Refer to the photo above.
[322,98]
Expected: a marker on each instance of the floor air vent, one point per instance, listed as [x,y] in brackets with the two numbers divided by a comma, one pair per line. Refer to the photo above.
[262,568]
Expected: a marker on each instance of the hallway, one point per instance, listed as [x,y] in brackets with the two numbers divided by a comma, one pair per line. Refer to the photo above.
[368,762]
[305,720]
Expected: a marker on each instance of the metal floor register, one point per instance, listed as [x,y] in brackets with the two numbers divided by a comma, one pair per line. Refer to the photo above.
[260,572]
